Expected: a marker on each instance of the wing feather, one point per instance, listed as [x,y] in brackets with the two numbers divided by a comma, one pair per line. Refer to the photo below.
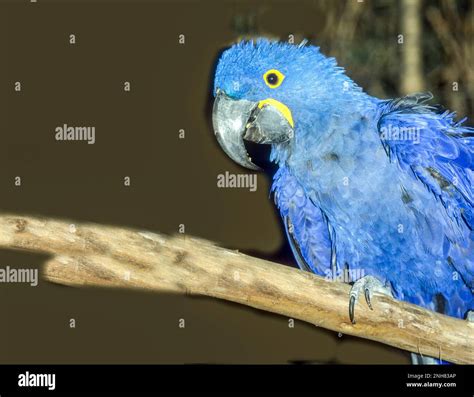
[427,142]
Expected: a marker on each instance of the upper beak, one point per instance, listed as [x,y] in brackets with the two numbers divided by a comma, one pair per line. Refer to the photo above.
[267,121]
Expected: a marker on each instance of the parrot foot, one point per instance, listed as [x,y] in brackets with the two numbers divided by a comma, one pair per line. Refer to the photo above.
[369,285]
[470,316]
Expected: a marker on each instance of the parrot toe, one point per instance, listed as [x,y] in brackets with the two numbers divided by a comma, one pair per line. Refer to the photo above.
[470,316]
[369,285]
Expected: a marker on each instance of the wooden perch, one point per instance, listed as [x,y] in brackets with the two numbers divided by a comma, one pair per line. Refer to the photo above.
[96,255]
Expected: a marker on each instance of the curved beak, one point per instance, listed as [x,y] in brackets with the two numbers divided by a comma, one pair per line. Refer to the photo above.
[267,122]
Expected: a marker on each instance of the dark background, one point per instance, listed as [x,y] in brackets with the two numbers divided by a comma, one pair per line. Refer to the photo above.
[173,181]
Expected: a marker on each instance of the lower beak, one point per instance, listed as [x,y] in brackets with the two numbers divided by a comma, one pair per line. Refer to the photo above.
[267,121]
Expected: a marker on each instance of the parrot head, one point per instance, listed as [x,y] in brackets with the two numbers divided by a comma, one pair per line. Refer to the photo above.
[264,92]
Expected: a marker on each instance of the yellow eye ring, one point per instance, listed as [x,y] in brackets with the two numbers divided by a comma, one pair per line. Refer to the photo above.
[273,78]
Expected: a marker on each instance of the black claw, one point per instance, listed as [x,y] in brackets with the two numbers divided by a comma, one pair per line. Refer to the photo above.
[367,298]
[351,309]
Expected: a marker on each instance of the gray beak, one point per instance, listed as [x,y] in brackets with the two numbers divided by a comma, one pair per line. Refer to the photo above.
[236,120]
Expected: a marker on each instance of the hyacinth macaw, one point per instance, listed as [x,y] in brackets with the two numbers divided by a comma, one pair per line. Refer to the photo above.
[381,190]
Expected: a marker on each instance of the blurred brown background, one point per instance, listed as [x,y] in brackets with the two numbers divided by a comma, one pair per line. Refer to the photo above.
[173,181]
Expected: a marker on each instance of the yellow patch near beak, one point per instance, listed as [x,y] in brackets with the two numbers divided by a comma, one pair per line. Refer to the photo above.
[283,109]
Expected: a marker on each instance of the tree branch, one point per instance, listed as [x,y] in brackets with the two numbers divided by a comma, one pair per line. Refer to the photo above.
[96,255]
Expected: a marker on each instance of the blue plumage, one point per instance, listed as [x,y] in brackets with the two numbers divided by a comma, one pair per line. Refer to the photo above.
[366,186]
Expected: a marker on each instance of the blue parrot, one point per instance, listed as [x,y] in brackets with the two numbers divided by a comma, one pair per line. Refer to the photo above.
[376,192]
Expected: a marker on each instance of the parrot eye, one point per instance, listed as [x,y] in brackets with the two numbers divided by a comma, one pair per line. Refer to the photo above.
[273,78]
